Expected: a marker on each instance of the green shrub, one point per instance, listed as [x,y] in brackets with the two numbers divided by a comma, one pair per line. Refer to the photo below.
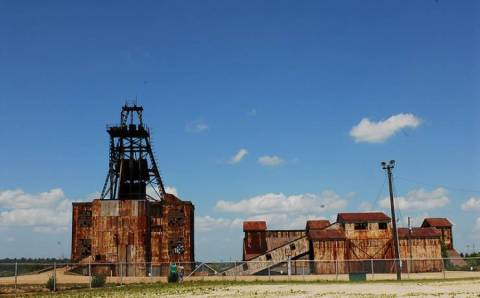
[98,280]
[50,284]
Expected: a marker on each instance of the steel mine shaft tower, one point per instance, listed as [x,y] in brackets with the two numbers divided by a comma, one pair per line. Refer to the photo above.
[135,227]
[132,165]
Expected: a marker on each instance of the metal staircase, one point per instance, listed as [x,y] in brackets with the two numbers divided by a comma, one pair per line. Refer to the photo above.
[292,249]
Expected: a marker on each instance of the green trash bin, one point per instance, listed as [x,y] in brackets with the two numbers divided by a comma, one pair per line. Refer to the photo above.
[357,276]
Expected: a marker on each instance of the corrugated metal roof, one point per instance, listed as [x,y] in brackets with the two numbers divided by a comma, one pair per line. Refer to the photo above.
[362,217]
[317,224]
[254,226]
[419,233]
[436,222]
[326,234]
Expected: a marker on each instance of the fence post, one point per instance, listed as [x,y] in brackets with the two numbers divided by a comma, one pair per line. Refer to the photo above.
[303,270]
[443,267]
[90,273]
[336,269]
[289,267]
[151,269]
[16,273]
[54,276]
[373,271]
[269,277]
[235,270]
[409,267]
[121,274]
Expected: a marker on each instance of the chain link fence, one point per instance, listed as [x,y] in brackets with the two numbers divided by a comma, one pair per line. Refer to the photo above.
[24,277]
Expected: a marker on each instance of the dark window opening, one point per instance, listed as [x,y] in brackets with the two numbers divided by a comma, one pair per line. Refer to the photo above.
[85,219]
[268,257]
[382,225]
[176,218]
[156,211]
[361,226]
[292,246]
[85,247]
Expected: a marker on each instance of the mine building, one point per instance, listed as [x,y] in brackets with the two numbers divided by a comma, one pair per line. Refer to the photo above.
[135,226]
[346,245]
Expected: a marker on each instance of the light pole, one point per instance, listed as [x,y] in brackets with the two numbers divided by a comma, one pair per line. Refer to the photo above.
[388,167]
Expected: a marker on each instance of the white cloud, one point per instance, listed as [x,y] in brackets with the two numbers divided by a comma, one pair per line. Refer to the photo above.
[50,230]
[378,132]
[17,198]
[196,126]
[279,203]
[171,190]
[168,189]
[47,209]
[208,223]
[415,221]
[475,234]
[419,199]
[471,204]
[366,206]
[273,220]
[270,161]
[239,156]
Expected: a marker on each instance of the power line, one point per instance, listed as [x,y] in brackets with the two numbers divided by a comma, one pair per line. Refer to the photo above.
[438,185]
[380,192]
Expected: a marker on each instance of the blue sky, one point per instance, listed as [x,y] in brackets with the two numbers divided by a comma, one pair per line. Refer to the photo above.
[285,80]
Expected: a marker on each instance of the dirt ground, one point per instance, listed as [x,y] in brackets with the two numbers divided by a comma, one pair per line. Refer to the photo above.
[420,285]
[451,288]
[376,289]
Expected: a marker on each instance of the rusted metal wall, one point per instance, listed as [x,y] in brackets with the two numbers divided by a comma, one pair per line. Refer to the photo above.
[119,234]
[135,232]
[254,244]
[422,248]
[172,224]
[447,237]
[81,230]
[326,252]
[371,243]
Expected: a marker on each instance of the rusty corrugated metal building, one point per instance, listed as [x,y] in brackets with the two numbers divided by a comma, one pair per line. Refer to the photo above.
[349,244]
[134,226]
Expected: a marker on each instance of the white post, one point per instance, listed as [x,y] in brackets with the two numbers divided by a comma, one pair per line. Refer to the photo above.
[16,273]
[235,270]
[151,269]
[289,267]
[54,276]
[303,270]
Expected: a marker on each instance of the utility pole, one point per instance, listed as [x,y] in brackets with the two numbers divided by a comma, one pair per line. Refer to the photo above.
[388,167]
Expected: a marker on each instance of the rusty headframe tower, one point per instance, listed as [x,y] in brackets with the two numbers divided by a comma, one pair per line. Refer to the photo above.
[132,165]
[135,227]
